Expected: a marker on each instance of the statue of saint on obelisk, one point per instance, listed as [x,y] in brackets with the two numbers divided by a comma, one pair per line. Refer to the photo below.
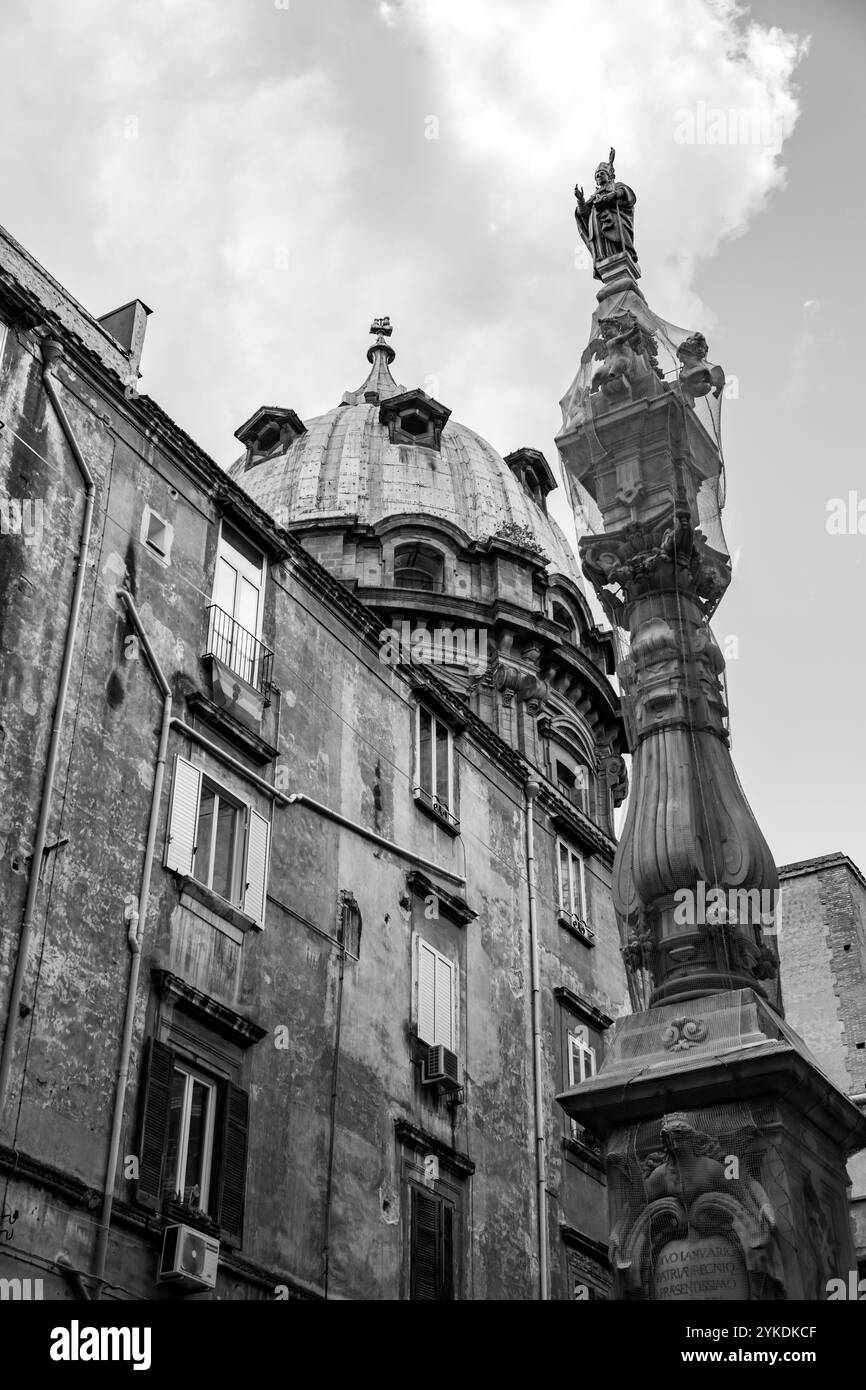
[720,1133]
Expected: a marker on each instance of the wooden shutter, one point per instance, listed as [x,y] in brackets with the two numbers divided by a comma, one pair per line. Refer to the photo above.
[436,1009]
[425,1247]
[256,867]
[432,1267]
[156,1092]
[426,992]
[233,1165]
[183,816]
[446,1282]
[445,1030]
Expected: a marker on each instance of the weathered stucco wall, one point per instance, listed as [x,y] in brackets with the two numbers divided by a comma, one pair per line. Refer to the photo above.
[346,739]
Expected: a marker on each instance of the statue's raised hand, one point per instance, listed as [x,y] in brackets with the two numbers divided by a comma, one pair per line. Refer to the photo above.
[578,193]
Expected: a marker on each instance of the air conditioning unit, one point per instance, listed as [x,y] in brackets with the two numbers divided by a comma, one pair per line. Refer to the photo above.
[440,1067]
[189,1259]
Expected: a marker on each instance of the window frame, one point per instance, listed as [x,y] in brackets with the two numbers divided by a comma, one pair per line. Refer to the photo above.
[245,665]
[448,811]
[573,854]
[583,1047]
[239,854]
[214,1087]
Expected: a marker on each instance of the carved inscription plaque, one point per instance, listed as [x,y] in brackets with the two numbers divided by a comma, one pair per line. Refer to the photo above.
[709,1268]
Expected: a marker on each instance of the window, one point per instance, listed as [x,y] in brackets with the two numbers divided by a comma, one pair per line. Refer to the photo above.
[236,613]
[581,1057]
[418,567]
[349,927]
[157,534]
[572,896]
[193,1143]
[432,1247]
[560,614]
[189,1147]
[218,841]
[436,1016]
[572,779]
[434,764]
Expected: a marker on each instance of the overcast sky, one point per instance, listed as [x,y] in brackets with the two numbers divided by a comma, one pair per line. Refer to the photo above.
[270,176]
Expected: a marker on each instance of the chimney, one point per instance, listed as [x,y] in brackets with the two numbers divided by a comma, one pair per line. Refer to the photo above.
[127,326]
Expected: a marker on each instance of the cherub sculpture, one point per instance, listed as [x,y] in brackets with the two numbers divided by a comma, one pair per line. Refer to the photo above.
[698,376]
[618,347]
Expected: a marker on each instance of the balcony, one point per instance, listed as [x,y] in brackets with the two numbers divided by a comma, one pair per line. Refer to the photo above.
[239,650]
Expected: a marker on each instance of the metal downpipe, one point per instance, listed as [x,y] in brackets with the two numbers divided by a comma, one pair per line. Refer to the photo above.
[137,918]
[531,789]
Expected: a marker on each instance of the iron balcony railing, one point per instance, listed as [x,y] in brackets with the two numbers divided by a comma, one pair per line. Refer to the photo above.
[238,649]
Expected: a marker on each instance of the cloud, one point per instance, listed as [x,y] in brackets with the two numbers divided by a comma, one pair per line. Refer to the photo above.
[270,178]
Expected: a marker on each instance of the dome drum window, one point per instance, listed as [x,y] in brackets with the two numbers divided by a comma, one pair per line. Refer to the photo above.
[413,417]
[419,566]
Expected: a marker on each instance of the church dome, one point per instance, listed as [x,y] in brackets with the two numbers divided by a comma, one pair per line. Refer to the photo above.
[386,452]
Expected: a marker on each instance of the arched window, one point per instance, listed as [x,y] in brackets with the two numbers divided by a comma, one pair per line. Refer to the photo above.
[418,566]
[573,778]
[562,616]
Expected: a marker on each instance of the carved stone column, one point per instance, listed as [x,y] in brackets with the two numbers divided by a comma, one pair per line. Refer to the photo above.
[722,1138]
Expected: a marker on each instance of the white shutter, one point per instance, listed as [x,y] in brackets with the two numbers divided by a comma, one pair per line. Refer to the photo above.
[256,867]
[426,993]
[183,816]
[444,1002]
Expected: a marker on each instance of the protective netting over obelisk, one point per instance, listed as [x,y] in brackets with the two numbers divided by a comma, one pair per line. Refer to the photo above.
[722,1137]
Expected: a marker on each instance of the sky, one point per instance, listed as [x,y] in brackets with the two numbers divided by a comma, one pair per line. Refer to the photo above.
[269,175]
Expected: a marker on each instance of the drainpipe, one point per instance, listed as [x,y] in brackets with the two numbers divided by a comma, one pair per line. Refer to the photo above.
[137,917]
[51,352]
[329,1184]
[531,790]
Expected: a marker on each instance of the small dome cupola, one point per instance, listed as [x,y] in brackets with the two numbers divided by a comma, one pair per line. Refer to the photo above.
[269,431]
[533,472]
[413,417]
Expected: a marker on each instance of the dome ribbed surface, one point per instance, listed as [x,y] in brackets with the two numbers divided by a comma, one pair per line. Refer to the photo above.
[345,464]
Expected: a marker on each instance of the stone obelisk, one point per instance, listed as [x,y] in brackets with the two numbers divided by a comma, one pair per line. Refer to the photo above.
[724,1143]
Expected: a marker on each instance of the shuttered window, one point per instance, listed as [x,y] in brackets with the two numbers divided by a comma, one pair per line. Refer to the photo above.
[437,981]
[218,840]
[193,1144]
[432,1254]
